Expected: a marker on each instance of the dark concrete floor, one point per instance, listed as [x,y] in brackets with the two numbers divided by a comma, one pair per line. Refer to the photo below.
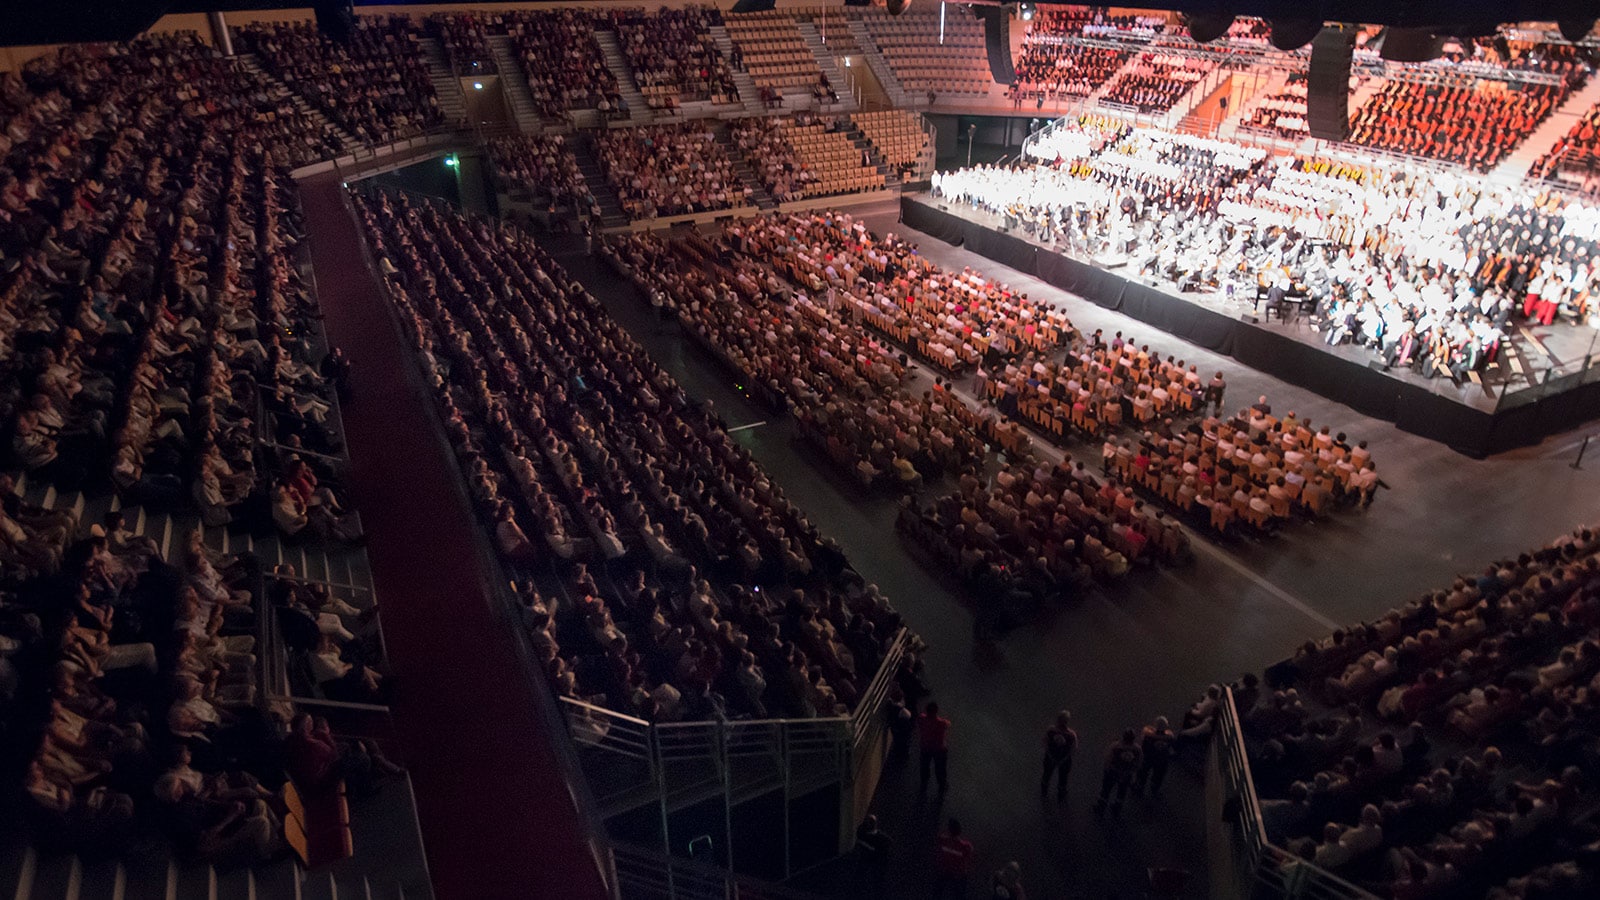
[1150,645]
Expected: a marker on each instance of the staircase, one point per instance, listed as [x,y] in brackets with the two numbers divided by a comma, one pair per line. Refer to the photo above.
[741,167]
[879,66]
[1205,115]
[1243,111]
[249,62]
[515,83]
[639,112]
[1099,92]
[891,178]
[828,64]
[27,873]
[749,94]
[445,83]
[1552,129]
[588,156]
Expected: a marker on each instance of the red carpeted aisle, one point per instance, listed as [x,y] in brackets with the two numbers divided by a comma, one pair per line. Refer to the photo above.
[497,818]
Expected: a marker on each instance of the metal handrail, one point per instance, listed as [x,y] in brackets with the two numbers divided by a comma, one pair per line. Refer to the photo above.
[1268,865]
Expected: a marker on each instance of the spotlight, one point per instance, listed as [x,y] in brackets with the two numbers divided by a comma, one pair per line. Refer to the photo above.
[1207,27]
[1025,11]
[896,7]
[477,85]
[450,162]
[1575,30]
[1411,45]
[1292,34]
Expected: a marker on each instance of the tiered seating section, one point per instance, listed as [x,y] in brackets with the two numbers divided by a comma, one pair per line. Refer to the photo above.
[897,135]
[1155,81]
[1049,68]
[1576,155]
[921,62]
[840,293]
[683,585]
[771,49]
[162,364]
[1448,745]
[674,57]
[563,62]
[376,86]
[465,39]
[1283,111]
[796,159]
[1475,127]
[669,170]
[545,169]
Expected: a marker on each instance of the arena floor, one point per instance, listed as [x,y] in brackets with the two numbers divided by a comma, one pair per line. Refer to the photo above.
[1152,646]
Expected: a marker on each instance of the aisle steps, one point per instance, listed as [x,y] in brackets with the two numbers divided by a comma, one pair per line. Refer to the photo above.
[515,83]
[639,111]
[445,83]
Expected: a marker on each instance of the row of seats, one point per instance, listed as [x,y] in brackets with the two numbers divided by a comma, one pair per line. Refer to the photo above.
[1445,747]
[897,135]
[376,85]
[1474,126]
[922,60]
[162,352]
[710,595]
[769,46]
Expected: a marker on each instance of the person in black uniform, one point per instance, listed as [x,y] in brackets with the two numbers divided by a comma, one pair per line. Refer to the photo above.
[1060,742]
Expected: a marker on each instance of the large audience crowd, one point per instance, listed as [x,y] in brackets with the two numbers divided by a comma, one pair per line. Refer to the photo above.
[679,583]
[674,57]
[160,344]
[562,60]
[1155,81]
[1446,746]
[1473,126]
[375,85]
[546,170]
[669,170]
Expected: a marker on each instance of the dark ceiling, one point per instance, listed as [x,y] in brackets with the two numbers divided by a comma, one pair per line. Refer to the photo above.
[89,20]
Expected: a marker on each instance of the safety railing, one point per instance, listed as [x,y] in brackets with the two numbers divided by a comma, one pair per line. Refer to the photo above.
[1522,388]
[647,875]
[716,740]
[1261,868]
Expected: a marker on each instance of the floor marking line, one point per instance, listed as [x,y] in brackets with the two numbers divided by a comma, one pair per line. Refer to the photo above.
[1287,598]
[747,427]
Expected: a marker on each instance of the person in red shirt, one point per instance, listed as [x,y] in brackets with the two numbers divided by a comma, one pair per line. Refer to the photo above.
[952,862]
[933,738]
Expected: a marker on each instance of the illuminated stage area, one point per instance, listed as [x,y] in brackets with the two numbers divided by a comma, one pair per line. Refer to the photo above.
[1469,418]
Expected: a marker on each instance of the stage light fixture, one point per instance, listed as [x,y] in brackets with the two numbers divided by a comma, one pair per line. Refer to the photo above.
[1207,27]
[450,162]
[896,7]
[477,85]
[1575,30]
[1411,45]
[1292,34]
[1025,11]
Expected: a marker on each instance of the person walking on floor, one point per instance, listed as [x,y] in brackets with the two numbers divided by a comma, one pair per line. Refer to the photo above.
[1155,752]
[1122,761]
[872,858]
[1060,742]
[1007,883]
[1215,391]
[933,739]
[952,863]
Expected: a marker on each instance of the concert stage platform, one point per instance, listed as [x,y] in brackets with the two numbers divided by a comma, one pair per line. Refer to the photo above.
[1470,419]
